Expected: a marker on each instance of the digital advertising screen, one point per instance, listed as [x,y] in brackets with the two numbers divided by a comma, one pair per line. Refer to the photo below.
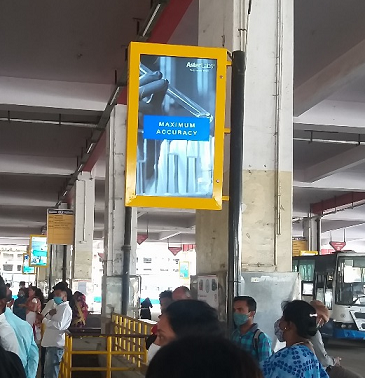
[38,250]
[26,268]
[176,105]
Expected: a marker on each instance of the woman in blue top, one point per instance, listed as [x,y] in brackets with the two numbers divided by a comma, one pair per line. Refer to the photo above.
[297,359]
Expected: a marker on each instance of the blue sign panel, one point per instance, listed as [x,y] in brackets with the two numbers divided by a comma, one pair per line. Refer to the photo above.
[26,268]
[158,127]
[38,251]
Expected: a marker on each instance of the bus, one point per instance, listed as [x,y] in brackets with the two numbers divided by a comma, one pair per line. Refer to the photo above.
[337,280]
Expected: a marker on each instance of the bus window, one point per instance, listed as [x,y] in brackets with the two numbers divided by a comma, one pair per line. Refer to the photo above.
[306,270]
[350,285]
[294,266]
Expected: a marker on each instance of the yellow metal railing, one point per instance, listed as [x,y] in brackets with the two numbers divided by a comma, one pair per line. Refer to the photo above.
[127,340]
[125,325]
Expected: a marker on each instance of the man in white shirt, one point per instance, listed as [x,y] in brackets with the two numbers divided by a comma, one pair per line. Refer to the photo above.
[57,322]
[8,338]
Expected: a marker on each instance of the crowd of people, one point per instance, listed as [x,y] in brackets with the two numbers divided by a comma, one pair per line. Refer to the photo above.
[32,332]
[190,341]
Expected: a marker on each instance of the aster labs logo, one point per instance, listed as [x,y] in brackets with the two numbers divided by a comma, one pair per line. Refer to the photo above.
[200,67]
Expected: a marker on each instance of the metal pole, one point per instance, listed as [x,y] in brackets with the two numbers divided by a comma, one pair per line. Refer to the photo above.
[319,231]
[235,181]
[64,263]
[50,274]
[126,259]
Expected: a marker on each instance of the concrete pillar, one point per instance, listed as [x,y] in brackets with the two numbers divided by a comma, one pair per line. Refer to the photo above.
[84,205]
[268,156]
[115,214]
[312,233]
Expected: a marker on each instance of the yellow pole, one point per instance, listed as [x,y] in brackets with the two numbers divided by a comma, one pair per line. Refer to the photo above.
[109,357]
[70,350]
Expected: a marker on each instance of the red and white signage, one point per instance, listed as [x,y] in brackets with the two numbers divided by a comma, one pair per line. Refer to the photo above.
[337,246]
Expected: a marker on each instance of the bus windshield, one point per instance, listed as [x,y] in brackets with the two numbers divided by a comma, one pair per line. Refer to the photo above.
[350,281]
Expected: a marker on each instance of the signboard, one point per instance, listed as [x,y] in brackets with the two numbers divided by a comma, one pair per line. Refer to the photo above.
[175,250]
[60,226]
[337,246]
[176,106]
[141,238]
[38,250]
[184,271]
[208,290]
[26,268]
[299,246]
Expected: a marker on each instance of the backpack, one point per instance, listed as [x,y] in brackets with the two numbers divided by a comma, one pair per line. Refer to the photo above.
[255,341]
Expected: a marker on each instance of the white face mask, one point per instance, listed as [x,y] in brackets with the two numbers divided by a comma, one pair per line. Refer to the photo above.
[152,350]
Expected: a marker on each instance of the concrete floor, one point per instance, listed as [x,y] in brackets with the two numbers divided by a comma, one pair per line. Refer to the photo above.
[351,352]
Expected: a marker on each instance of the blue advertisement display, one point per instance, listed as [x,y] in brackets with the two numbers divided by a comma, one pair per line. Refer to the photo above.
[38,251]
[177,97]
[26,268]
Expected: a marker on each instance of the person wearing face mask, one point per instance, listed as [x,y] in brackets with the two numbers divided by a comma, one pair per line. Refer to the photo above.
[331,364]
[27,348]
[297,359]
[247,336]
[8,338]
[18,310]
[56,322]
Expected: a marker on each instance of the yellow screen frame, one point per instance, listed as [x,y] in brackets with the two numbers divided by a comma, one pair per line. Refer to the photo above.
[30,251]
[136,49]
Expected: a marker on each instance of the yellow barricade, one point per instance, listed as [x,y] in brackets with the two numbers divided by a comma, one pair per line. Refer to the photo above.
[127,340]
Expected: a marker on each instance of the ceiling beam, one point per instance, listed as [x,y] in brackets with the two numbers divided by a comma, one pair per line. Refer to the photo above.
[338,163]
[342,71]
[334,113]
[341,181]
[37,165]
[53,94]
[22,198]
[348,199]
[161,33]
[164,235]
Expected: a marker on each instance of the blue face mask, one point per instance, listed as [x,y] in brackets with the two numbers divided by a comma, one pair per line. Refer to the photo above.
[240,319]
[57,300]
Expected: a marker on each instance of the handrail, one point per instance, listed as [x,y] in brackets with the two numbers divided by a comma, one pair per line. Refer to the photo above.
[127,339]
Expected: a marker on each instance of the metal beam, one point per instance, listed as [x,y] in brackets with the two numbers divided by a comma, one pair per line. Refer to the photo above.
[338,163]
[334,113]
[342,71]
[347,200]
[37,165]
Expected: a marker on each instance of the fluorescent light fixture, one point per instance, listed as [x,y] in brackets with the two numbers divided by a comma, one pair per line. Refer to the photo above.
[90,147]
[152,18]
[115,95]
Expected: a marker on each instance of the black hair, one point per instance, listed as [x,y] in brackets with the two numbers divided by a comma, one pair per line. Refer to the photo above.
[251,303]
[38,294]
[60,286]
[166,294]
[3,289]
[303,315]
[202,357]
[193,317]
[8,285]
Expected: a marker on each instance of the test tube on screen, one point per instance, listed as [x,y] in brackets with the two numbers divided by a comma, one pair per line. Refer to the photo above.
[188,104]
